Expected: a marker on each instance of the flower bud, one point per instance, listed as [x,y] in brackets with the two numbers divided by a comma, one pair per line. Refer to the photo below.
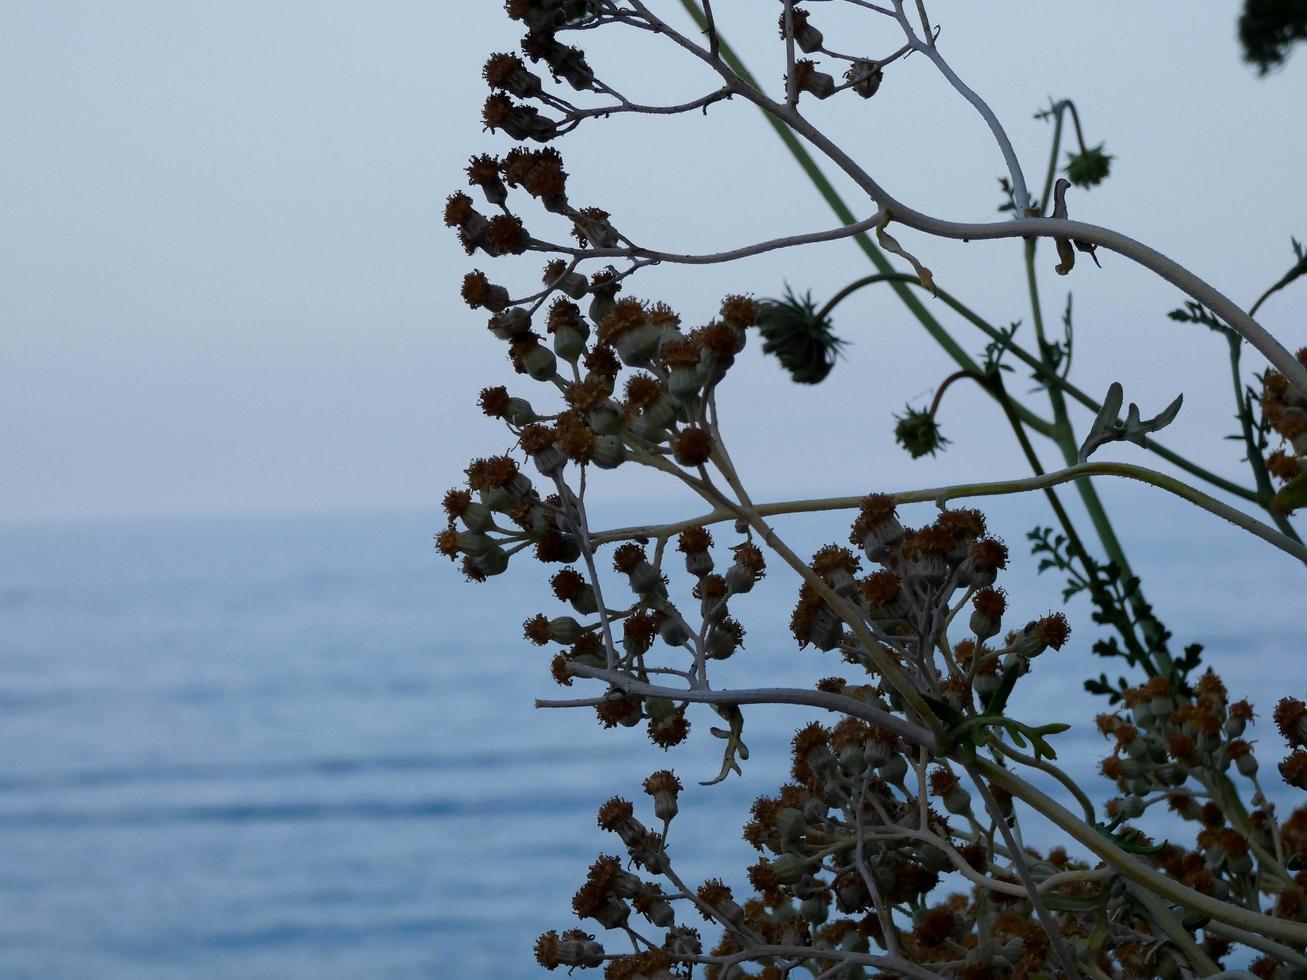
[673,631]
[511,323]
[539,362]
[876,752]
[549,460]
[931,858]
[606,418]
[478,291]
[683,941]
[476,516]
[866,77]
[809,79]
[957,801]
[569,343]
[877,529]
[894,770]
[1130,807]
[827,629]
[789,868]
[491,562]
[918,433]
[718,898]
[699,563]
[790,824]
[664,787]
[573,284]
[852,762]
[601,304]
[987,615]
[807,37]
[644,578]
[987,682]
[574,948]
[684,382]
[724,638]
[654,907]
[608,452]
[1239,864]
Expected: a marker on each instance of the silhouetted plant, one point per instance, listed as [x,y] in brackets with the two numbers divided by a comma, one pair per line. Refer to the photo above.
[915,784]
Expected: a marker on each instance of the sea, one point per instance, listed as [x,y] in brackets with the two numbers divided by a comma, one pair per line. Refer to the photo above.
[304,747]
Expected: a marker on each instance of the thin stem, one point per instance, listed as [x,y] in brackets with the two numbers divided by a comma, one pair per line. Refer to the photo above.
[1072,787]
[1023,872]
[931,51]
[887,929]
[1257,941]
[582,530]
[1040,425]
[714,42]
[996,488]
[1066,442]
[1160,914]
[914,733]
[650,255]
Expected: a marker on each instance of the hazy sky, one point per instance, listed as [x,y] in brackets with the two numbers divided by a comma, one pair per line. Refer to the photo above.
[225,286]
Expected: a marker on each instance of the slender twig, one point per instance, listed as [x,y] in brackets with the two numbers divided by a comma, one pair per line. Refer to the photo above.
[711,258]
[653,110]
[1023,872]
[1161,915]
[931,51]
[714,42]
[791,77]
[914,733]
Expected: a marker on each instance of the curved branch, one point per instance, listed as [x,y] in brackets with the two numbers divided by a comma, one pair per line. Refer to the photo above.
[725,92]
[991,489]
[1170,270]
[916,734]
[931,51]
[711,258]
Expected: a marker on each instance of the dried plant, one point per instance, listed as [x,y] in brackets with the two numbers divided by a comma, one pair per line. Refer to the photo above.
[895,848]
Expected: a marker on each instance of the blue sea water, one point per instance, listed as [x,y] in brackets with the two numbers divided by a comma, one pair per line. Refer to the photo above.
[303,747]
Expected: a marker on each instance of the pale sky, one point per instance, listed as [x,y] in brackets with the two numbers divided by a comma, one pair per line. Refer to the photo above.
[225,285]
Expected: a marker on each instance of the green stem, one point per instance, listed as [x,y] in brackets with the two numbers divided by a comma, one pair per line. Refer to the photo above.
[1097,587]
[1059,108]
[1052,161]
[1042,426]
[1066,442]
